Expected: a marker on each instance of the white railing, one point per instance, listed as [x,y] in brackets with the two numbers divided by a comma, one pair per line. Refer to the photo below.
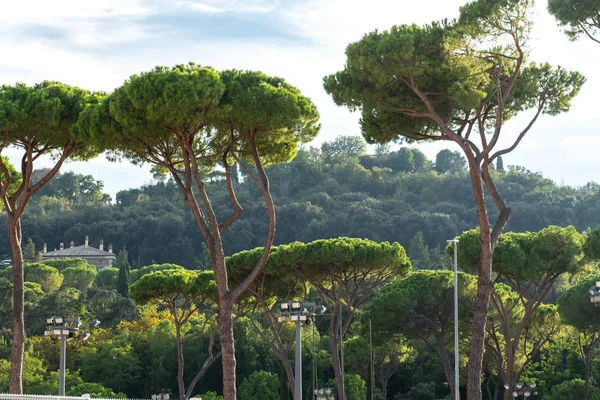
[8,396]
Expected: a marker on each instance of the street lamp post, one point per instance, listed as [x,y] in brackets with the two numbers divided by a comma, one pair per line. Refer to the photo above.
[66,329]
[456,366]
[297,312]
[526,389]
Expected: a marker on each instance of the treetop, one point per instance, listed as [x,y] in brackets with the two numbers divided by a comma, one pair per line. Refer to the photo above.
[155,114]
[527,256]
[431,82]
[44,116]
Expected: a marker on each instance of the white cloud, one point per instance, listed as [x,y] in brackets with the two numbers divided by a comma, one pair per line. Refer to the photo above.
[42,11]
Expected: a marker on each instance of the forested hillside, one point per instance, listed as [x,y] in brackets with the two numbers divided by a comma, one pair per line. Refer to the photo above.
[331,192]
[336,190]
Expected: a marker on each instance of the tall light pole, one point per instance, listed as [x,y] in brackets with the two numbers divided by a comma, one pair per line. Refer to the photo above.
[371,377]
[342,396]
[456,366]
[296,311]
[66,329]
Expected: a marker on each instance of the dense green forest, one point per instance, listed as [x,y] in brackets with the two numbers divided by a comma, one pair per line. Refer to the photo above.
[334,191]
[337,190]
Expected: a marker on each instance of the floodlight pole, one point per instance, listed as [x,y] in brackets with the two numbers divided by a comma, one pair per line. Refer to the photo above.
[62,366]
[298,372]
[297,312]
[456,366]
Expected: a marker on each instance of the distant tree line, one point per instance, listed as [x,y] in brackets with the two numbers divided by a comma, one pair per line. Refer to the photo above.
[337,190]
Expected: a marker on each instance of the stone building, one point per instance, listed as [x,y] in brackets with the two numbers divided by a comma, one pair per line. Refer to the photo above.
[94,256]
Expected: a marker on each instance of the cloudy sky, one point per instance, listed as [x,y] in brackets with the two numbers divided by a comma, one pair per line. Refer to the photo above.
[97,44]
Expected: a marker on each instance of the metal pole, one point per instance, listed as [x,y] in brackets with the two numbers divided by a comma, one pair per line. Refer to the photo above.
[371,359]
[343,395]
[456,366]
[314,362]
[63,359]
[298,372]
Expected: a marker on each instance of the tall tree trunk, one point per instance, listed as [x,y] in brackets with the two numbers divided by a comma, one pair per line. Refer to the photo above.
[337,365]
[484,292]
[383,381]
[586,353]
[180,361]
[484,283]
[18,344]
[510,372]
[446,365]
[225,321]
[289,373]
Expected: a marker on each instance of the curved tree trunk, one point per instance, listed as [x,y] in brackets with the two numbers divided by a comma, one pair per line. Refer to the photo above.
[446,364]
[225,320]
[586,374]
[290,374]
[484,292]
[18,344]
[484,285]
[180,361]
[337,365]
[510,372]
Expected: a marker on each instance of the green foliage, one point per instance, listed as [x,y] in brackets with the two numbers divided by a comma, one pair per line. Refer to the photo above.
[390,75]
[75,189]
[579,17]
[421,391]
[50,109]
[343,147]
[80,277]
[355,387]
[167,286]
[576,309]
[33,292]
[107,278]
[94,390]
[64,263]
[36,379]
[261,385]
[527,256]
[29,253]
[189,99]
[572,390]
[375,198]
[592,244]
[138,273]
[123,278]
[500,164]
[449,161]
[211,396]
[420,304]
[49,278]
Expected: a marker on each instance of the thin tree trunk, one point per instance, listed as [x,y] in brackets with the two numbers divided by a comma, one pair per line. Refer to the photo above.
[446,365]
[225,320]
[484,285]
[484,291]
[383,382]
[586,374]
[510,372]
[18,344]
[337,365]
[180,361]
[289,373]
